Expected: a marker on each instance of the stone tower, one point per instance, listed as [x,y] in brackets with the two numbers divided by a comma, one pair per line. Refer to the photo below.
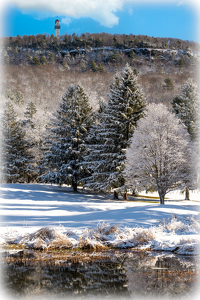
[57,28]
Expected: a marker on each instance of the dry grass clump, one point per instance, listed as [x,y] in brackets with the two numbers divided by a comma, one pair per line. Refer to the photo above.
[88,244]
[47,238]
[39,239]
[144,236]
[60,242]
[181,224]
[188,245]
[186,240]
[39,244]
[45,234]
[176,225]
[106,229]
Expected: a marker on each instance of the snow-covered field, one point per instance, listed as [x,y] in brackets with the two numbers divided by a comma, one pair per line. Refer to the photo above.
[43,216]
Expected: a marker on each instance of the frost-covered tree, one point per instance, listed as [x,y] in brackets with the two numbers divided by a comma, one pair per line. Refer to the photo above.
[110,136]
[64,158]
[186,107]
[159,156]
[16,159]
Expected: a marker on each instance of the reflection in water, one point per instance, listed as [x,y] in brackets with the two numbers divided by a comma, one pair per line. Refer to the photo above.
[119,274]
[166,275]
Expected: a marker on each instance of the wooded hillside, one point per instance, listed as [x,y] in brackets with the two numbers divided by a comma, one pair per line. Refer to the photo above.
[40,68]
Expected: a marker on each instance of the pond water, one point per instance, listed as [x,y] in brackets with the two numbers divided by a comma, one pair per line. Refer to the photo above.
[114,274]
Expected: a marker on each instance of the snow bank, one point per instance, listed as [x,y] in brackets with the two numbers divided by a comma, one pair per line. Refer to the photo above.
[179,234]
[32,214]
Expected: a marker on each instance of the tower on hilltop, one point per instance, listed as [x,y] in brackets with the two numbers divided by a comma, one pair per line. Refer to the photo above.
[57,28]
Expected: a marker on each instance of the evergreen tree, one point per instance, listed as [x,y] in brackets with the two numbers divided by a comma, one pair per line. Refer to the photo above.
[186,107]
[15,156]
[64,159]
[101,68]
[44,60]
[132,54]
[169,82]
[36,61]
[93,66]
[180,63]
[110,136]
[29,113]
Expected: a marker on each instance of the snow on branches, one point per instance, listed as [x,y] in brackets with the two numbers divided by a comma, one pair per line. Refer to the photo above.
[110,137]
[160,155]
[186,107]
[16,159]
[63,160]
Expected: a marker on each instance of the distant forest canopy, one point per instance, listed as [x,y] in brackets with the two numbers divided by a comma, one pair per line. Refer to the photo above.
[85,40]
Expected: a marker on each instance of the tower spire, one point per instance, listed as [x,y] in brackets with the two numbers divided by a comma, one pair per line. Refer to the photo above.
[57,28]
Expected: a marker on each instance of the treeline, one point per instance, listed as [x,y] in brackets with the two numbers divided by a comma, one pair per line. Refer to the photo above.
[88,148]
[86,40]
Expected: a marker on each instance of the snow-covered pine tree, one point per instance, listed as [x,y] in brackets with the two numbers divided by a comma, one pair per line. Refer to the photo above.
[110,136]
[131,104]
[186,107]
[16,159]
[63,160]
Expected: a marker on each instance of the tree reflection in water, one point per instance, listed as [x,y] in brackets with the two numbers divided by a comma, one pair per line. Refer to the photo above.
[161,274]
[119,274]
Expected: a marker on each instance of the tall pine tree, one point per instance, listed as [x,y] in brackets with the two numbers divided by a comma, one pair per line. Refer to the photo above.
[110,136]
[66,144]
[186,107]
[16,159]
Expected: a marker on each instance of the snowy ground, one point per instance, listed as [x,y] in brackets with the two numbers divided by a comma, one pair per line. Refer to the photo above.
[89,220]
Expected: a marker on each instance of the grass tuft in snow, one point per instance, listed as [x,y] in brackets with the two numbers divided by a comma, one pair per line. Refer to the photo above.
[181,224]
[179,234]
[61,241]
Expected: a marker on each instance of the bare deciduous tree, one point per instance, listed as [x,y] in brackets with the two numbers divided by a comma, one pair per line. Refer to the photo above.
[160,154]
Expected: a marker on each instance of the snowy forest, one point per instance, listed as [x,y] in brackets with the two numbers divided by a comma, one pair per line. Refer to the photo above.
[122,142]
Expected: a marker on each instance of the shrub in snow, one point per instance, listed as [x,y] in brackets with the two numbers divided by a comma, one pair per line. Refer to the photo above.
[160,155]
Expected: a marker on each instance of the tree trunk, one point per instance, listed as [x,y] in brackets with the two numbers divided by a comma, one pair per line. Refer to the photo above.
[134,193]
[74,185]
[125,196]
[116,195]
[161,198]
[187,194]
